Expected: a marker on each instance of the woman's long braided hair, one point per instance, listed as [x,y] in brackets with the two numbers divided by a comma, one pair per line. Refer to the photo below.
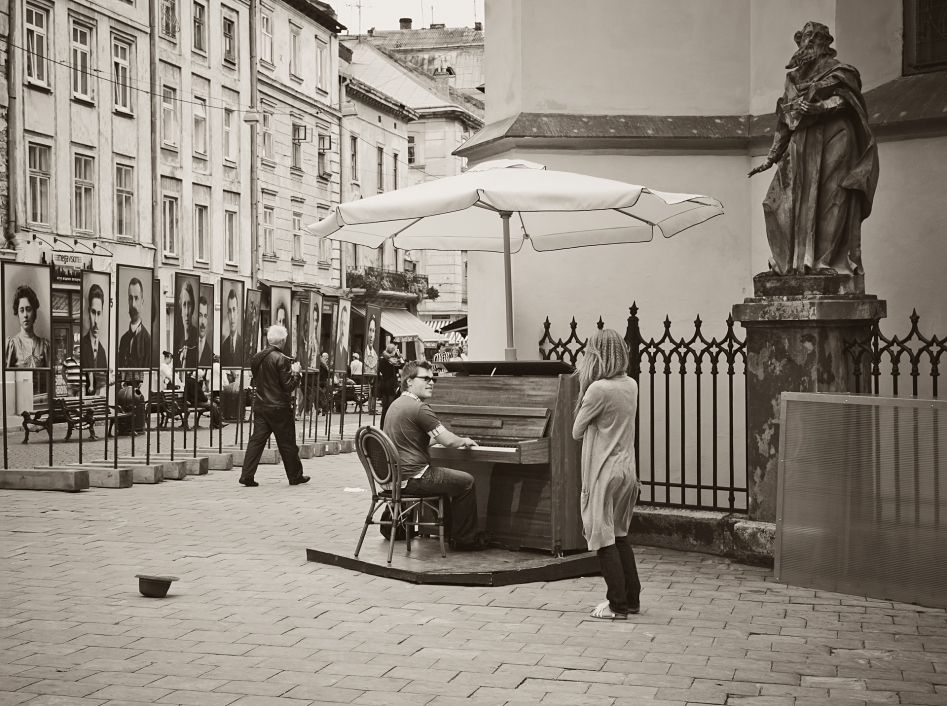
[606,356]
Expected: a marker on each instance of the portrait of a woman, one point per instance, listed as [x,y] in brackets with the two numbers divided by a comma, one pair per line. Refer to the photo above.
[26,349]
[371,355]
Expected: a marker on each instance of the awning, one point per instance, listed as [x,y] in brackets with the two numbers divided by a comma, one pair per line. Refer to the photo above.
[405,326]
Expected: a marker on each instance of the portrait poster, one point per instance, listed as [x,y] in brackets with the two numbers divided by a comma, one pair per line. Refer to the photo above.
[251,325]
[302,338]
[205,326]
[135,321]
[94,337]
[186,292]
[281,314]
[156,302]
[231,323]
[372,340]
[330,307]
[315,335]
[27,297]
[342,336]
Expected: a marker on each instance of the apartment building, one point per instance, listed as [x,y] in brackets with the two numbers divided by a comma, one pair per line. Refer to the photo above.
[203,165]
[299,139]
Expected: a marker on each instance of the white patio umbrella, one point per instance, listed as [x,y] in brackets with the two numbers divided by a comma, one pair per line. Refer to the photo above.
[552,210]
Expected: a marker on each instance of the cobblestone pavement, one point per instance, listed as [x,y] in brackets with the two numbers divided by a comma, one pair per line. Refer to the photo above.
[252,623]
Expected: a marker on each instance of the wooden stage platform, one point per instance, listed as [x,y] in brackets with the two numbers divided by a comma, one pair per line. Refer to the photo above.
[492,567]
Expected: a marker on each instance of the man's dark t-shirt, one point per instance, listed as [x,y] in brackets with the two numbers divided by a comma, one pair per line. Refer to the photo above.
[410,424]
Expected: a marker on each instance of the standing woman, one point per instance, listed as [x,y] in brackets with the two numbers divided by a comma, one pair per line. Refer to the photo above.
[605,421]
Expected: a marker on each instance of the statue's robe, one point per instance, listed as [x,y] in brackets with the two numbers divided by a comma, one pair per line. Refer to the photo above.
[827,173]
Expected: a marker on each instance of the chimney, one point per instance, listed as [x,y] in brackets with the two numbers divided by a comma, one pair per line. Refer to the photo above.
[478,26]
[405,22]
[440,25]
[371,32]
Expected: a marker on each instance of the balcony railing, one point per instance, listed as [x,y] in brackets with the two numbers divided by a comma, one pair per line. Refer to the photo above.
[376,279]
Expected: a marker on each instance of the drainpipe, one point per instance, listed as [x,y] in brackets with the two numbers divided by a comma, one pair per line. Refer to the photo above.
[14,132]
[254,149]
[153,69]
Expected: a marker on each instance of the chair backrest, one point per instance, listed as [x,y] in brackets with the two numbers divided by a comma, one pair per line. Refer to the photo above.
[380,459]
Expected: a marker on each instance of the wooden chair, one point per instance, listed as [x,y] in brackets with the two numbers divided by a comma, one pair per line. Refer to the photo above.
[383,468]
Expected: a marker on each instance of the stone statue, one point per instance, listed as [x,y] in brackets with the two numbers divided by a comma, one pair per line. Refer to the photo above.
[828,164]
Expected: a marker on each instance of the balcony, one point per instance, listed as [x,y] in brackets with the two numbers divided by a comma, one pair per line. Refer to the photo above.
[377,282]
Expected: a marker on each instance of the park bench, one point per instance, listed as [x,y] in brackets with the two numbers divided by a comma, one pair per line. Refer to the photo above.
[68,411]
[172,405]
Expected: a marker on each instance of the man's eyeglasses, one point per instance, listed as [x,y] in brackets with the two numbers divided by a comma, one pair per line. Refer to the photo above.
[426,378]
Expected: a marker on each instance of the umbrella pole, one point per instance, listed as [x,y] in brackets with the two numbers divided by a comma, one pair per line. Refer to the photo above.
[508,280]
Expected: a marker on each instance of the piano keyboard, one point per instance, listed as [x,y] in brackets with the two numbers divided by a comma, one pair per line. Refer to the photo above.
[510,448]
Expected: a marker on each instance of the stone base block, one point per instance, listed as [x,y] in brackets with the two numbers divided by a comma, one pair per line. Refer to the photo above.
[348,446]
[270,456]
[103,476]
[217,461]
[170,470]
[317,449]
[70,480]
[719,533]
[193,466]
[144,473]
[309,450]
[333,448]
[767,284]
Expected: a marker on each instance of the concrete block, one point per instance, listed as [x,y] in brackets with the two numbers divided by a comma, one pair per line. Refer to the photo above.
[102,475]
[70,480]
[190,465]
[333,448]
[317,449]
[217,461]
[348,446]
[270,456]
[147,474]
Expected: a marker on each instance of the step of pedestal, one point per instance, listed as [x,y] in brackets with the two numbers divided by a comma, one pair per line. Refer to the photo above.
[146,474]
[101,476]
[70,480]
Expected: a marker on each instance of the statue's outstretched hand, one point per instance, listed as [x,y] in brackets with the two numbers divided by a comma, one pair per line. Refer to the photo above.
[762,168]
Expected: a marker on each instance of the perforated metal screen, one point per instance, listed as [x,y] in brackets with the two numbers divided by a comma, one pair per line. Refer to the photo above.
[862,502]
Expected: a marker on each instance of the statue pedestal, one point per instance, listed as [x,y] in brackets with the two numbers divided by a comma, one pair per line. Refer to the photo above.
[796,328]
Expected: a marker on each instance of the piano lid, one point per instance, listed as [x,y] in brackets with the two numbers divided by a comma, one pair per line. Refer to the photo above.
[509,367]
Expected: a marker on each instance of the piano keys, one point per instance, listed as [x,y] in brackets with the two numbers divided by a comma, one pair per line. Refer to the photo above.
[527,466]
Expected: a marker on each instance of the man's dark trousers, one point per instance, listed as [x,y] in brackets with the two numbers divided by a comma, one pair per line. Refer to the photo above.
[279,422]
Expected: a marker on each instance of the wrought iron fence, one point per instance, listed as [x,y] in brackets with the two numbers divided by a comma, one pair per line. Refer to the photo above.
[912,485]
[690,428]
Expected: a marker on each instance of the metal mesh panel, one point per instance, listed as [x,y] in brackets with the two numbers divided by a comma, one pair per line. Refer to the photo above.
[862,503]
[378,460]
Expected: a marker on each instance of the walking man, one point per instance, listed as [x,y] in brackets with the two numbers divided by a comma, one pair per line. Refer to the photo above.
[276,379]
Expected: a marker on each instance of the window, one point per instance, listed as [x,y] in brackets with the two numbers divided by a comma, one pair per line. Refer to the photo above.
[353,147]
[325,144]
[230,40]
[230,154]
[200,126]
[299,136]
[230,235]
[37,23]
[925,36]
[294,68]
[200,27]
[169,116]
[411,157]
[39,183]
[269,232]
[394,170]
[266,43]
[81,60]
[84,202]
[380,169]
[169,18]
[268,152]
[124,201]
[121,62]
[297,235]
[169,225]
[200,233]
[322,65]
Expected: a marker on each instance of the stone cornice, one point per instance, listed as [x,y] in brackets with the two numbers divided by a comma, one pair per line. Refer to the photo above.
[364,93]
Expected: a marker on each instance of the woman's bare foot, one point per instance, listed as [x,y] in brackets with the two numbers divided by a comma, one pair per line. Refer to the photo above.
[604,612]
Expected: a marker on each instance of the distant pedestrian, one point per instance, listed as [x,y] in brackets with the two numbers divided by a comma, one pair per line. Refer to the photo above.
[276,378]
[71,372]
[605,421]
[355,368]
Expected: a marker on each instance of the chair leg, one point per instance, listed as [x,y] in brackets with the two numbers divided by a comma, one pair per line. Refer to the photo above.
[440,523]
[368,521]
[395,516]
[407,528]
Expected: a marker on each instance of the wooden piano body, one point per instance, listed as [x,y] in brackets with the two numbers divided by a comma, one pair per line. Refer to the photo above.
[527,468]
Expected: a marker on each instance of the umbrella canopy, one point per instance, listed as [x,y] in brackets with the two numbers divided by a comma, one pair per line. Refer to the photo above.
[552,210]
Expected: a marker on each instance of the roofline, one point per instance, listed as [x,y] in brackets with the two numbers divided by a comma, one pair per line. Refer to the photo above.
[320,16]
[366,93]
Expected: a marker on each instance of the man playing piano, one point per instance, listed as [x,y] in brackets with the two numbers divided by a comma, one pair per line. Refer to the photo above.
[412,427]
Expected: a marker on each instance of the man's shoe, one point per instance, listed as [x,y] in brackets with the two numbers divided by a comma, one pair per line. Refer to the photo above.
[303,479]
[249,482]
[479,543]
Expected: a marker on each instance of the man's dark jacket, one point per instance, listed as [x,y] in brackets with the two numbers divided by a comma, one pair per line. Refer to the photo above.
[274,379]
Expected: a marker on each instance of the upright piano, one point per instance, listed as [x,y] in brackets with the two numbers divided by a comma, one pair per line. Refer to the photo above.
[527,466]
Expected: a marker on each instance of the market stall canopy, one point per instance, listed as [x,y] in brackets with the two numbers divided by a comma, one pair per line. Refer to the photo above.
[405,326]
